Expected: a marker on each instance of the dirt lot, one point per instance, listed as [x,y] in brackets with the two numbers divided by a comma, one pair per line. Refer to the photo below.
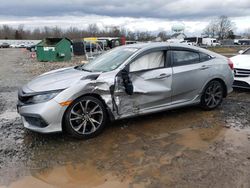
[228,51]
[179,148]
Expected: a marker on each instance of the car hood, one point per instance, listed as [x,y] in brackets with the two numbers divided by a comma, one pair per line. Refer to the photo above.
[241,61]
[56,79]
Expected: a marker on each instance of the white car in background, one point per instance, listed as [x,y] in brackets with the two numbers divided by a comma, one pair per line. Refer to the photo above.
[241,64]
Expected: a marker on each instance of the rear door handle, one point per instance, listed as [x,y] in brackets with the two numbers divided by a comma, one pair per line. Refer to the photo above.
[163,75]
[204,67]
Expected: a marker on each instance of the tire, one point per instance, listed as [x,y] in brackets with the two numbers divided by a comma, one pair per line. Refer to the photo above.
[212,95]
[85,118]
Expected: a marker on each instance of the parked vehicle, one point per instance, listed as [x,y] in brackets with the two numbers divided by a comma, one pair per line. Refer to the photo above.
[13,46]
[210,42]
[131,42]
[197,41]
[31,48]
[127,81]
[241,64]
[4,45]
[186,42]
[22,45]
[242,41]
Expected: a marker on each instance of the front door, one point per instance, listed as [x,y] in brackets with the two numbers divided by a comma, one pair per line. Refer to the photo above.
[151,78]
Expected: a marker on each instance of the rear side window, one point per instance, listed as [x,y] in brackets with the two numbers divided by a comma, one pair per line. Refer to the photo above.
[181,57]
[204,57]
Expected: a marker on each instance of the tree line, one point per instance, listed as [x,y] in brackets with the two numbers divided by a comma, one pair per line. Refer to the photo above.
[8,32]
[221,27]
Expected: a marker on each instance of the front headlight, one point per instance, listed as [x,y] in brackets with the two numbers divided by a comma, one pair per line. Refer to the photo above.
[42,97]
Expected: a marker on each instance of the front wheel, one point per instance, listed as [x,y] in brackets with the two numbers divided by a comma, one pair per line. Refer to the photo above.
[212,95]
[85,118]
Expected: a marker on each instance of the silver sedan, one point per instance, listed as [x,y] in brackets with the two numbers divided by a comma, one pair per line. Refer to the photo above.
[124,82]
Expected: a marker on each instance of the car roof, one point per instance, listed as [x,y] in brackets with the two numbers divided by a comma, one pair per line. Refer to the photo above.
[151,45]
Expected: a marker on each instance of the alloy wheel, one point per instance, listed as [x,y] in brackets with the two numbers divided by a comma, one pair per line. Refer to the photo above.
[213,94]
[86,116]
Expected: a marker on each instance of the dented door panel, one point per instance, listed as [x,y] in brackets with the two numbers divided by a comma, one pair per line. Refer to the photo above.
[152,89]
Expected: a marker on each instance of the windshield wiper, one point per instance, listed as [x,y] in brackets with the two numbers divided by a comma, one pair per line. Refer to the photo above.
[79,67]
[83,69]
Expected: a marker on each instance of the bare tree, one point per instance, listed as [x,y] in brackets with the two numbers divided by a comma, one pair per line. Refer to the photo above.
[115,32]
[7,32]
[73,33]
[93,30]
[36,34]
[211,29]
[225,27]
[144,36]
[163,35]
[131,35]
[18,35]
[57,32]
[222,27]
[47,32]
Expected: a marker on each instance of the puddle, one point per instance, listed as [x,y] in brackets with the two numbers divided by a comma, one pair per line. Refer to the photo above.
[71,176]
[123,156]
[199,138]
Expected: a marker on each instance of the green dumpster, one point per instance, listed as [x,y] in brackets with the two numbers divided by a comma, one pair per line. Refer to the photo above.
[54,49]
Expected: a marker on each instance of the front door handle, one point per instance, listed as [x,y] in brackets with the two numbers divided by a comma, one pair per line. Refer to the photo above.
[204,67]
[163,75]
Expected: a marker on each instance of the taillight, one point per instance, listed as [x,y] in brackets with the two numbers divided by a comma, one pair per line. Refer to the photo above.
[231,64]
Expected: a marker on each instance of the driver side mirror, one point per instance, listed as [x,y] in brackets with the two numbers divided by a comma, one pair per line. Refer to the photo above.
[129,88]
[241,51]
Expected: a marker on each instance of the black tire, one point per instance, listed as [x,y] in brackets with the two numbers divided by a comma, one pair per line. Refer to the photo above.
[212,95]
[74,117]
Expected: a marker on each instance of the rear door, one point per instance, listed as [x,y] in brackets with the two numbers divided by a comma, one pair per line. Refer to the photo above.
[191,70]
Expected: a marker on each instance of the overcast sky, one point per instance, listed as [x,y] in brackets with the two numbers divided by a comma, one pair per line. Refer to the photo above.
[154,15]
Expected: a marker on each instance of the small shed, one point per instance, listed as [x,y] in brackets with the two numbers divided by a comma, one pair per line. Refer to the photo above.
[54,49]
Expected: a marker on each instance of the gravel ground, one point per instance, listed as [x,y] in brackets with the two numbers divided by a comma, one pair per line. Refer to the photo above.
[179,148]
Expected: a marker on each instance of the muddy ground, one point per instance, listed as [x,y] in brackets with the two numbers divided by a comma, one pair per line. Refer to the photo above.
[180,148]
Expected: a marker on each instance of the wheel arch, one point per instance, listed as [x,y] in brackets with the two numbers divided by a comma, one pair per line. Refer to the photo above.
[97,96]
[221,81]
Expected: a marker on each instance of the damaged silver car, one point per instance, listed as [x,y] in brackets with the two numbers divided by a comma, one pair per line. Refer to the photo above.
[124,82]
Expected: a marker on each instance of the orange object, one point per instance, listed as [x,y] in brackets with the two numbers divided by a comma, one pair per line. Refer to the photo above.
[66,103]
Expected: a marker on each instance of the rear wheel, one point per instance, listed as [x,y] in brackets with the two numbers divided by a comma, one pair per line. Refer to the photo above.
[212,95]
[85,118]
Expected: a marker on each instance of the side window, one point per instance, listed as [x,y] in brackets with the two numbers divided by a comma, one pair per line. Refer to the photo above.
[148,61]
[181,57]
[204,57]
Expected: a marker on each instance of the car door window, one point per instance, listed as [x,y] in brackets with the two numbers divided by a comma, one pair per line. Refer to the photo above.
[204,57]
[149,61]
[182,57]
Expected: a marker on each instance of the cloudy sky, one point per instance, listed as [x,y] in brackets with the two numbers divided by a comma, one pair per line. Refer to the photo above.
[149,15]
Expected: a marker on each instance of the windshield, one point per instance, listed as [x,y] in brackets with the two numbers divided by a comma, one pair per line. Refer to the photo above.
[110,60]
